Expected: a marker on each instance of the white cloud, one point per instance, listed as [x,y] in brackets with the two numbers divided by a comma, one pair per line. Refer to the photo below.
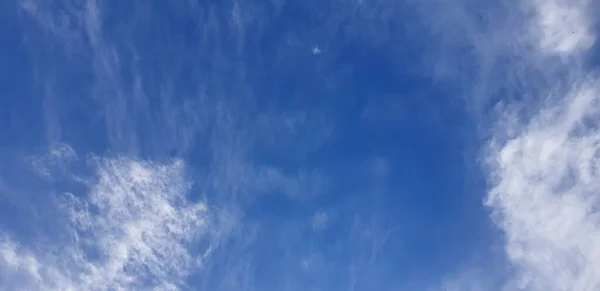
[563,27]
[545,177]
[130,232]
[544,156]
[546,194]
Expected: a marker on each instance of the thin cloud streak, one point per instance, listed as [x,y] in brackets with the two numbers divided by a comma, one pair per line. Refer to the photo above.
[541,160]
[212,120]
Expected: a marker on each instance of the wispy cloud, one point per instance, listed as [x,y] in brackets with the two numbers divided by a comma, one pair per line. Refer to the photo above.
[320,220]
[545,194]
[55,160]
[562,27]
[537,108]
[132,230]
[543,156]
[157,97]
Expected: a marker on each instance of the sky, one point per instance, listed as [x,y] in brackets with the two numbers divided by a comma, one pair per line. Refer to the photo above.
[299,145]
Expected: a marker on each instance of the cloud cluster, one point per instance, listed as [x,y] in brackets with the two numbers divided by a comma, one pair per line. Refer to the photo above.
[132,231]
[545,194]
[537,106]
[544,167]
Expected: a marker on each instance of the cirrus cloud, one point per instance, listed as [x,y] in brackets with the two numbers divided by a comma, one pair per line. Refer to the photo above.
[132,230]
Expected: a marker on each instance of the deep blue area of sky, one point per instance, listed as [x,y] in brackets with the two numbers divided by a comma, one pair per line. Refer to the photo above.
[420,130]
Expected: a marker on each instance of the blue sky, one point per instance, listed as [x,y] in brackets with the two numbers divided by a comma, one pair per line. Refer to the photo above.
[299,145]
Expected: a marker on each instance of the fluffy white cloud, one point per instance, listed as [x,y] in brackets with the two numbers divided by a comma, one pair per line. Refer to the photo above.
[545,176]
[546,194]
[131,231]
[544,155]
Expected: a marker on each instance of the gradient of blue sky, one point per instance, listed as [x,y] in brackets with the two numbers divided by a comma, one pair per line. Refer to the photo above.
[299,145]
